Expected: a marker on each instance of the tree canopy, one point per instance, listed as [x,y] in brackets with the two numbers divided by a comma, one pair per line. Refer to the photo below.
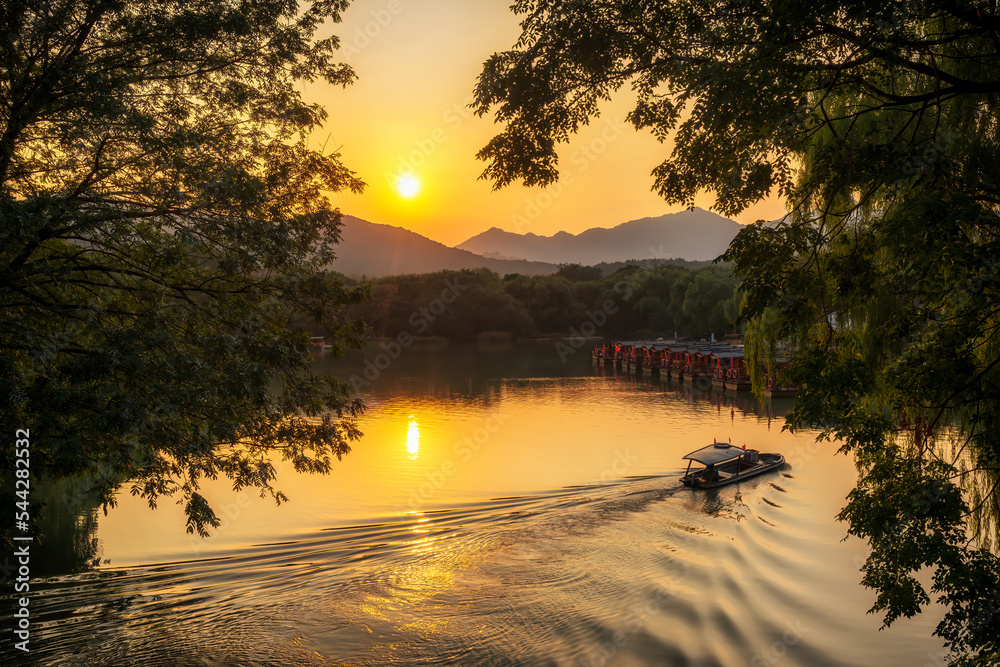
[877,123]
[163,232]
[658,300]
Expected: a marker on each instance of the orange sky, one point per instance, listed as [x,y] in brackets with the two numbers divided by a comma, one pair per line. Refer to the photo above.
[417,62]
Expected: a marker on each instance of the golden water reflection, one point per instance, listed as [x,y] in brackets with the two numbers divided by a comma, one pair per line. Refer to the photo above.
[516,437]
[413,438]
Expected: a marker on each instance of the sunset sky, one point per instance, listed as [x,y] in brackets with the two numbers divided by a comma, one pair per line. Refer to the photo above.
[417,64]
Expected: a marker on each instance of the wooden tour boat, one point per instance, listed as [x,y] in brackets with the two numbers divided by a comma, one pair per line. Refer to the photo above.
[725,464]
[777,389]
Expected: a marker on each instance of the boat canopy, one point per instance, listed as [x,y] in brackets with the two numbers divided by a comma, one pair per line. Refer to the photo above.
[648,344]
[715,454]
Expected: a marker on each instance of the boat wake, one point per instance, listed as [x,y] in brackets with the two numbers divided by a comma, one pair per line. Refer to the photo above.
[637,572]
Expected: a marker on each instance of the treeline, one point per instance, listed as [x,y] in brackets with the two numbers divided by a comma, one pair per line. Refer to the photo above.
[632,301]
[607,268]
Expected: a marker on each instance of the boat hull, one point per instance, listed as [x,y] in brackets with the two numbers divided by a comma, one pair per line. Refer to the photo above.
[780,393]
[737,471]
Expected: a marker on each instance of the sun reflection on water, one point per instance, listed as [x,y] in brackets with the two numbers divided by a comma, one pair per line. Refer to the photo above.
[413,438]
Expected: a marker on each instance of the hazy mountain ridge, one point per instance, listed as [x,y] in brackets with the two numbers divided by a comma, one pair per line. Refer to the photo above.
[375,250]
[694,235]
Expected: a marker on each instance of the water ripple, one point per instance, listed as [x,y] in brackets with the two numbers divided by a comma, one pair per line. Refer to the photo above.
[636,572]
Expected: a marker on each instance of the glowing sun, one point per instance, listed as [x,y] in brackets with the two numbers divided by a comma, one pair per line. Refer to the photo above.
[407,185]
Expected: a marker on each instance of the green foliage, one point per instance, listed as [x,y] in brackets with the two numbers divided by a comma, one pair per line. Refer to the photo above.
[659,300]
[878,123]
[163,228]
[607,268]
[577,273]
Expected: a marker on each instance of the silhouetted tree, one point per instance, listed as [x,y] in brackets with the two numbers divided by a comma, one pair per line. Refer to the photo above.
[163,224]
[878,123]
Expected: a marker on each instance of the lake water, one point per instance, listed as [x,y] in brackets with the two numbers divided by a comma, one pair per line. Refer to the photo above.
[505,507]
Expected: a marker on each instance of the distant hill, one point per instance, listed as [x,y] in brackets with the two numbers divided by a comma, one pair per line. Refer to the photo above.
[373,250]
[607,268]
[693,235]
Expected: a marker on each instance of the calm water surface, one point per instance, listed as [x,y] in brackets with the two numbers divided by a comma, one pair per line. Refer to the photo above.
[504,508]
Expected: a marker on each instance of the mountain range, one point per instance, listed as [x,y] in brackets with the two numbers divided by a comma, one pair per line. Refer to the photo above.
[695,234]
[374,250]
